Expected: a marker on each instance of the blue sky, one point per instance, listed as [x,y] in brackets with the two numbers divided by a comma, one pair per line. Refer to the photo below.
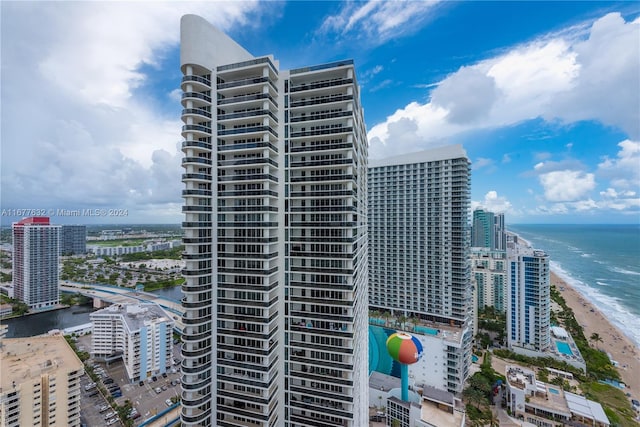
[544,96]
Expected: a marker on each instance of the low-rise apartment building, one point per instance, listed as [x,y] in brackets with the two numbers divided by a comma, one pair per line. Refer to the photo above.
[140,333]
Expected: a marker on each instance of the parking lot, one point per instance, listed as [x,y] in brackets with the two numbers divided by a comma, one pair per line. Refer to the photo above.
[148,399]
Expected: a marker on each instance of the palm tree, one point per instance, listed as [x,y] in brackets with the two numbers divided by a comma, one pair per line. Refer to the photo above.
[386,316]
[415,322]
[403,320]
[595,337]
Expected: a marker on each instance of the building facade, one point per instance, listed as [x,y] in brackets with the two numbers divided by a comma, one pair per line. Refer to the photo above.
[489,272]
[528,298]
[36,250]
[488,230]
[275,239]
[547,405]
[141,333]
[419,246]
[73,240]
[40,382]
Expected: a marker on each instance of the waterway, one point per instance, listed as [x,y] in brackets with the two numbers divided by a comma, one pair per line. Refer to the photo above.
[41,323]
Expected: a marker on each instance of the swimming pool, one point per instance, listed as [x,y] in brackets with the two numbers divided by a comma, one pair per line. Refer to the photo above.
[553,391]
[427,331]
[564,348]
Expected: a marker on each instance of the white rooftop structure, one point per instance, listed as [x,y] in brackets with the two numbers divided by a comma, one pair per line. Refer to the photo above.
[559,332]
[579,405]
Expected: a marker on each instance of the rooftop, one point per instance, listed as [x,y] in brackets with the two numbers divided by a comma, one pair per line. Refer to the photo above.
[435,154]
[135,315]
[23,359]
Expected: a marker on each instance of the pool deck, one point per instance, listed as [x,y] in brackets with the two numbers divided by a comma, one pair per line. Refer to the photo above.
[444,331]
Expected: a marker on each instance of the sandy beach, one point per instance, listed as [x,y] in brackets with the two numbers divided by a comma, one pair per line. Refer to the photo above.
[614,342]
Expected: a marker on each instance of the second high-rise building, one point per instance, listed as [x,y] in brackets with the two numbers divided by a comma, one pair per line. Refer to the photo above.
[419,251]
[275,239]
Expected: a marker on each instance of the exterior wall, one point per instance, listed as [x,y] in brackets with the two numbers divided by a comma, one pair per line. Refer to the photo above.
[73,240]
[444,362]
[48,392]
[275,224]
[36,249]
[138,344]
[419,233]
[489,269]
[528,316]
[419,252]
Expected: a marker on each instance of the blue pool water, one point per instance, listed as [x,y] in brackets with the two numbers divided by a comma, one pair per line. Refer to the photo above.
[564,348]
[376,321]
[474,358]
[425,330]
[553,391]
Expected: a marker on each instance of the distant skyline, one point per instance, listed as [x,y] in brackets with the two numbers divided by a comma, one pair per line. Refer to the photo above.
[544,97]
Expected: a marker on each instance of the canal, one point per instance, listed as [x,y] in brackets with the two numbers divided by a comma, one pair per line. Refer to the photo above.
[41,323]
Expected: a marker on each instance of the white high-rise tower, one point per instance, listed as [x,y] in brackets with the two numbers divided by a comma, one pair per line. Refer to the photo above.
[275,239]
[419,249]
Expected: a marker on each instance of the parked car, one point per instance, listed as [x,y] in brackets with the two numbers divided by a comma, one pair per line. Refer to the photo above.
[103,408]
[109,415]
[112,421]
[141,383]
[168,402]
[164,375]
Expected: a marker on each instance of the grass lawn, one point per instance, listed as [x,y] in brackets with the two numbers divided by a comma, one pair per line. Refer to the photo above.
[616,405]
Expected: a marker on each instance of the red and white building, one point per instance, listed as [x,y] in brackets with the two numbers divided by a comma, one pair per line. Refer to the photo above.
[36,249]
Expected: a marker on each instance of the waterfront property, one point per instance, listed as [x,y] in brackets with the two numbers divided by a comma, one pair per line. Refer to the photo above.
[442,343]
[140,334]
[275,238]
[40,382]
[528,298]
[547,405]
[418,223]
[36,250]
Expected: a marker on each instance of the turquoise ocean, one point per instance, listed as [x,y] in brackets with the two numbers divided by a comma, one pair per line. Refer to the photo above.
[602,262]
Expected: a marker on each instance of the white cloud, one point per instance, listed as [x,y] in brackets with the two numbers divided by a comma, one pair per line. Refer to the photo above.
[562,77]
[482,162]
[378,21]
[623,171]
[76,134]
[566,185]
[494,203]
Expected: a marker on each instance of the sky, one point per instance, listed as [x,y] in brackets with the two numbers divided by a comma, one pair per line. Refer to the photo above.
[543,96]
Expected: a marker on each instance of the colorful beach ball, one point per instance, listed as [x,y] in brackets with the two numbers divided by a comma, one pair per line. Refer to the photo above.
[404,348]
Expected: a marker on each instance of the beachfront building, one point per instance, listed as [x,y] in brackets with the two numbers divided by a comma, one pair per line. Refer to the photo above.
[73,240]
[489,272]
[36,250]
[275,239]
[140,334]
[548,405]
[488,230]
[528,299]
[419,252]
[40,382]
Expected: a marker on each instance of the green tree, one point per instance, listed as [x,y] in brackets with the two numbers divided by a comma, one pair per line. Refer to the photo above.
[595,337]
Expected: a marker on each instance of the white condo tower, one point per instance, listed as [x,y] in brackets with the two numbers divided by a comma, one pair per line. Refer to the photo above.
[275,205]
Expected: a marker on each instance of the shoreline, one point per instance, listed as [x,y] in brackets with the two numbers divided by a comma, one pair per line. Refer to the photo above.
[614,342]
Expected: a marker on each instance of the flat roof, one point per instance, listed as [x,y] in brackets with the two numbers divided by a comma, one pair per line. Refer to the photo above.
[586,408]
[135,315]
[380,381]
[24,359]
[446,152]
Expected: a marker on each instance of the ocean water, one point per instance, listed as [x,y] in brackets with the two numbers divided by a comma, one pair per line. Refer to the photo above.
[602,262]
